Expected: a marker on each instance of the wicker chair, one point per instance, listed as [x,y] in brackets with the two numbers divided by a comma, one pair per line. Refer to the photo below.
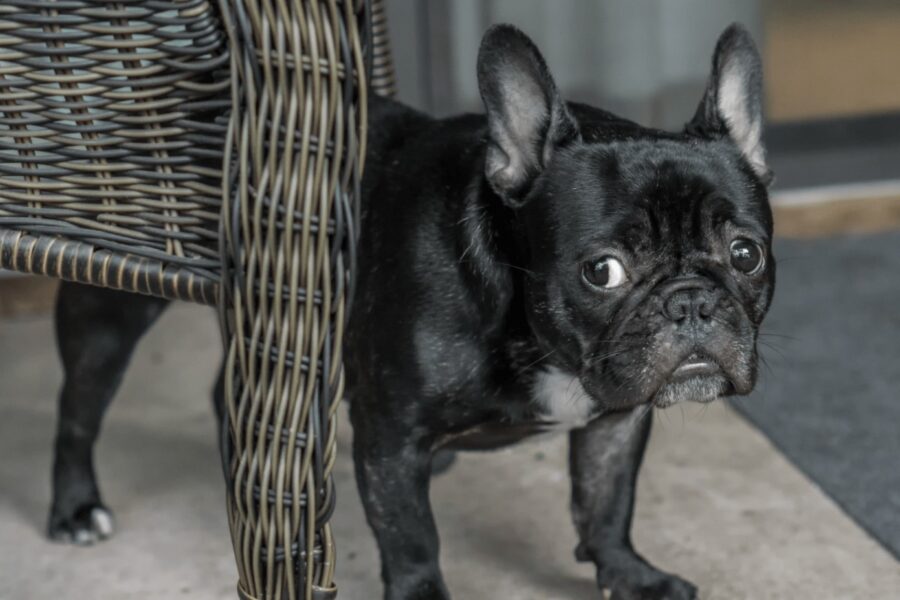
[210,153]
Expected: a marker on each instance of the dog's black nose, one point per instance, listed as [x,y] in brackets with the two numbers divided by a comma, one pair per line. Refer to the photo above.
[691,304]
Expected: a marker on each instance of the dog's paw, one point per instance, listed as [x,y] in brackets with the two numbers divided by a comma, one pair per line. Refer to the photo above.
[663,587]
[86,525]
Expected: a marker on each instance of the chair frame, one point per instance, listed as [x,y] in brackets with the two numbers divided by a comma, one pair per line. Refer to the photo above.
[212,154]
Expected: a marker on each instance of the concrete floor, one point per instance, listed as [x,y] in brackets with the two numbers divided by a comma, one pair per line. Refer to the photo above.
[716,503]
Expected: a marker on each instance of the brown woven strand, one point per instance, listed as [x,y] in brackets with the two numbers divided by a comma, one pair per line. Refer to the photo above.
[112,122]
[294,158]
[77,261]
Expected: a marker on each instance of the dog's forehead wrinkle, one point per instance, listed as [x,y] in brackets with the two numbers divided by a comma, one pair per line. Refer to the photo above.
[664,162]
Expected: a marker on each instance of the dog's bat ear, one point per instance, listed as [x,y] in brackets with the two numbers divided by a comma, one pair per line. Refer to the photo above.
[527,119]
[732,103]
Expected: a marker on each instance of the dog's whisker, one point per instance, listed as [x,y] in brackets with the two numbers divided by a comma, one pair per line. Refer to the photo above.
[778,335]
[774,349]
[536,361]
[765,364]
[606,356]
[518,268]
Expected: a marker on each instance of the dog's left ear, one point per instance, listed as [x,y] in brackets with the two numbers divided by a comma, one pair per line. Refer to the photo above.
[527,119]
[732,104]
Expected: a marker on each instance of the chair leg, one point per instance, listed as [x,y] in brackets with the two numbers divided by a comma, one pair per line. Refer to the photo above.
[291,184]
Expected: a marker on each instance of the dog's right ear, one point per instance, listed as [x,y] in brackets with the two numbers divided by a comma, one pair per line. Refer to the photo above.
[527,119]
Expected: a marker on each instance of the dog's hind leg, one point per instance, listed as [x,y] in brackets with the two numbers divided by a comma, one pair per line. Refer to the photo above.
[393,469]
[96,331]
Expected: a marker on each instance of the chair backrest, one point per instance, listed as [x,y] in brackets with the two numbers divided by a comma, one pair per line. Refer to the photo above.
[112,121]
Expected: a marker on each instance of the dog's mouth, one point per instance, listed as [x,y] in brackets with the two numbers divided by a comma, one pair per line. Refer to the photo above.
[669,370]
[697,364]
[697,378]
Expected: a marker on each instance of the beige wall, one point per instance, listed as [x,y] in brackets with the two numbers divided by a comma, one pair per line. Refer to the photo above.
[827,58]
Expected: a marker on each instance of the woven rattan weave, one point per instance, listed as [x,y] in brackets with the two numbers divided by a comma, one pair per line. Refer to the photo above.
[212,153]
[112,121]
[298,132]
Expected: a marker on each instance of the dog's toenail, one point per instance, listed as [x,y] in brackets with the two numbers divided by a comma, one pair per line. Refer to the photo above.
[102,523]
[83,537]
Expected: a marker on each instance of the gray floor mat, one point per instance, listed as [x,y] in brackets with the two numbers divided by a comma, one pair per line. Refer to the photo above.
[830,398]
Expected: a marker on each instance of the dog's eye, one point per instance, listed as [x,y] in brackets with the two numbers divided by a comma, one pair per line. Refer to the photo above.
[746,256]
[607,272]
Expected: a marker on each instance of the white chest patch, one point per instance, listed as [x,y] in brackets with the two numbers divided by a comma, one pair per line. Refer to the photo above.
[561,399]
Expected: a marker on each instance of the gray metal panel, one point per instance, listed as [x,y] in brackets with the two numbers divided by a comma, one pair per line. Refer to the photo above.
[645,59]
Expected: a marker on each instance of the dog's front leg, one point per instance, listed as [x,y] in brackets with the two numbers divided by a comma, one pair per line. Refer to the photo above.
[604,459]
[393,470]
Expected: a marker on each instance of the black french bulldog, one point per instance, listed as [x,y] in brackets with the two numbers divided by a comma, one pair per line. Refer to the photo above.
[548,265]
[551,264]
